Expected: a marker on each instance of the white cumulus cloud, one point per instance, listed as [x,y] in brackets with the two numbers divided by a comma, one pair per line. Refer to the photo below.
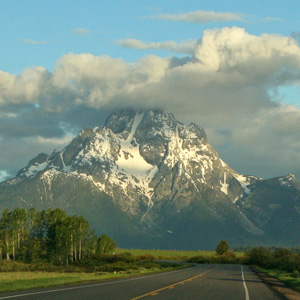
[223,86]
[24,88]
[229,67]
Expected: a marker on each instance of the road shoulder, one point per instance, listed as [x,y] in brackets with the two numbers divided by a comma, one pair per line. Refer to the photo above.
[278,285]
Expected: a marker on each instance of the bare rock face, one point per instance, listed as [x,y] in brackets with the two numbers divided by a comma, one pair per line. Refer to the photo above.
[151,181]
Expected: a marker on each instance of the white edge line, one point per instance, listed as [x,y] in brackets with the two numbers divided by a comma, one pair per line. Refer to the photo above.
[87,286]
[244,284]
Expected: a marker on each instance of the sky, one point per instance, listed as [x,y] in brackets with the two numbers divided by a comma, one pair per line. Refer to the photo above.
[231,67]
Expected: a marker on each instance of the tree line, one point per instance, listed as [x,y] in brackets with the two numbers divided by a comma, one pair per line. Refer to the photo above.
[283,259]
[51,235]
[279,258]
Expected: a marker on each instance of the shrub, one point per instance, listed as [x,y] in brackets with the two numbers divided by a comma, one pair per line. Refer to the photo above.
[147,257]
[116,267]
[150,265]
[281,259]
[260,256]
[200,259]
[295,274]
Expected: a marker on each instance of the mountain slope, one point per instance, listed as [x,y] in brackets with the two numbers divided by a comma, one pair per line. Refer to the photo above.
[274,206]
[150,181]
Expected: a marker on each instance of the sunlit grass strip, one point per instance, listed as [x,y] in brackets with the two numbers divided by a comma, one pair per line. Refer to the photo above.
[283,276]
[170,254]
[17,281]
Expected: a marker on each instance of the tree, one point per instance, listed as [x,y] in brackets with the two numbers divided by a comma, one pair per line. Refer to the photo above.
[79,230]
[6,232]
[91,242]
[105,245]
[19,232]
[222,248]
[49,234]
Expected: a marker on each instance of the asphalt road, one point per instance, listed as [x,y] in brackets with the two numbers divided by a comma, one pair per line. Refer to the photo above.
[201,282]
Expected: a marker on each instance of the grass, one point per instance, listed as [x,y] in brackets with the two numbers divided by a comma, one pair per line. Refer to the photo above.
[16,281]
[19,280]
[170,254]
[283,276]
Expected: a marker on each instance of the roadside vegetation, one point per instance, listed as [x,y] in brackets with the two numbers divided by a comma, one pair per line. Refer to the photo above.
[178,255]
[46,248]
[281,263]
[16,281]
[287,277]
[21,276]
[165,254]
[222,255]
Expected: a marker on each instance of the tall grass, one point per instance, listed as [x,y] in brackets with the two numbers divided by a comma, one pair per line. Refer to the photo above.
[170,254]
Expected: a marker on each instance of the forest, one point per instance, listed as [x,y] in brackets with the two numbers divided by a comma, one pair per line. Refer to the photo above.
[49,235]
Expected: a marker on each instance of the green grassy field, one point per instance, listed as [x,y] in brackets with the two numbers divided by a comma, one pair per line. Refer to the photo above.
[170,254]
[16,281]
[282,276]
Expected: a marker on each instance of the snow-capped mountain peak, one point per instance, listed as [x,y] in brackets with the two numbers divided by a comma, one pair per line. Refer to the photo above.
[135,153]
[148,172]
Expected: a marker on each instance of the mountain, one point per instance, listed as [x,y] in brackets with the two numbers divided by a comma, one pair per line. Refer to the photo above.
[148,180]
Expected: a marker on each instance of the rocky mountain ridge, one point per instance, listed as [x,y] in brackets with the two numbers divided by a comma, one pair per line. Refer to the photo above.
[156,173]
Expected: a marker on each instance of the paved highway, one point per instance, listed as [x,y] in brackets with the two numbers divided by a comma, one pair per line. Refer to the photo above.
[201,282]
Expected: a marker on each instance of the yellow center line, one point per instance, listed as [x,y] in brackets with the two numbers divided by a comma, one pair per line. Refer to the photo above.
[172,286]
